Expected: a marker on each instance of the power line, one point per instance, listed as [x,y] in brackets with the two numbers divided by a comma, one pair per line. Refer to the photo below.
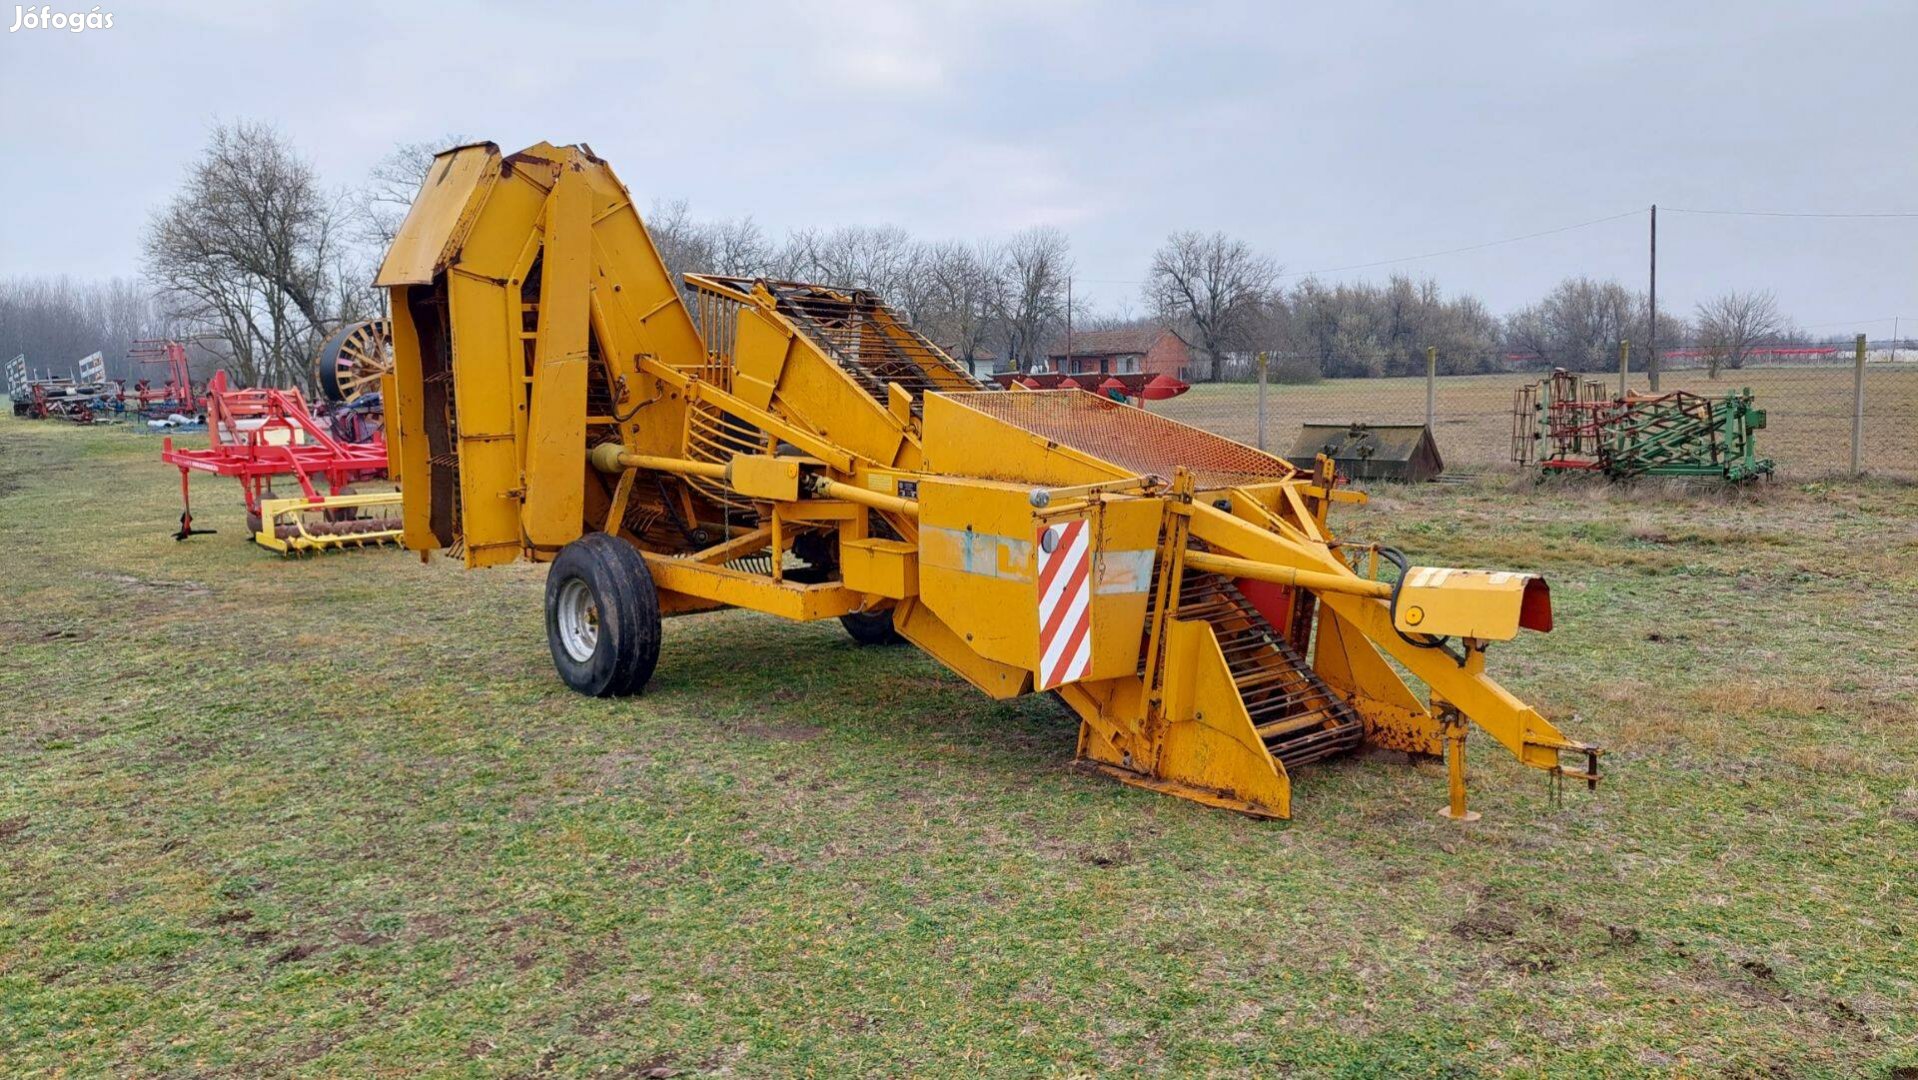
[1856,322]
[1801,213]
[1468,247]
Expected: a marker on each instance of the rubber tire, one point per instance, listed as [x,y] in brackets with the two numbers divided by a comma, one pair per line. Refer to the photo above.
[871,628]
[621,586]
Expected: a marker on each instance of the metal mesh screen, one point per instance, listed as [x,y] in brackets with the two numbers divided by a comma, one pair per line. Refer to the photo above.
[1133,439]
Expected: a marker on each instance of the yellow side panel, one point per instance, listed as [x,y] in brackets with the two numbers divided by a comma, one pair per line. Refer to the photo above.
[760,347]
[921,626]
[978,564]
[1209,739]
[513,216]
[966,442]
[450,199]
[556,429]
[489,387]
[628,259]
[1128,541]
[406,429]
[853,420]
[489,370]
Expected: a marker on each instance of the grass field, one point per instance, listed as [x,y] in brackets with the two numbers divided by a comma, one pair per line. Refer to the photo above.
[1808,431]
[338,817]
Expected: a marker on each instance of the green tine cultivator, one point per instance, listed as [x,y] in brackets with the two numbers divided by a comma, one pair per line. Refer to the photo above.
[1565,424]
[1683,434]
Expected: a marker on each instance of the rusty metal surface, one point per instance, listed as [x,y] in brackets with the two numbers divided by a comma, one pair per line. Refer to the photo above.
[1299,718]
[1368,451]
[864,336]
[1138,441]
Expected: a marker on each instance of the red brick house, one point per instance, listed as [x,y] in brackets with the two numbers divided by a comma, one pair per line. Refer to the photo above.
[1154,350]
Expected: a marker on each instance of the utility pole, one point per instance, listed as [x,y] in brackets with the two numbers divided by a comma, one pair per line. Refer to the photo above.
[1651,342]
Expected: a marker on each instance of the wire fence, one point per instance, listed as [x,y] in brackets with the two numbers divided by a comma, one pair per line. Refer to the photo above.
[1812,411]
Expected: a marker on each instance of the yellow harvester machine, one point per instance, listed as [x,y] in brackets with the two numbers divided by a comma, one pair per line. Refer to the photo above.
[801,450]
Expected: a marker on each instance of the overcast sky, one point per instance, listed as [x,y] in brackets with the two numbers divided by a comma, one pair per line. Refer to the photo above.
[1325,134]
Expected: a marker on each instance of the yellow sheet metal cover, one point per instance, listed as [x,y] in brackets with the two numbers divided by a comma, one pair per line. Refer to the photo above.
[1137,441]
[443,210]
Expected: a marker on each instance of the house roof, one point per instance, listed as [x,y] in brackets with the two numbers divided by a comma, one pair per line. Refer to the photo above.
[1112,342]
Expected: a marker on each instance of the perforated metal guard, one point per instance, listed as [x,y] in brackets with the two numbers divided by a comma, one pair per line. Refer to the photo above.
[1137,441]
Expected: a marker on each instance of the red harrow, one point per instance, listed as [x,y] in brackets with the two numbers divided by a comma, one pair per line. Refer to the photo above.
[262,434]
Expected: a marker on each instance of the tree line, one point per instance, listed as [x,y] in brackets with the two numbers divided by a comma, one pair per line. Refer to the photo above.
[257,260]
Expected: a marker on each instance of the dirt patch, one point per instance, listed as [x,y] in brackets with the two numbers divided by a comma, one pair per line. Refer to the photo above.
[140,584]
[12,827]
[362,937]
[292,955]
[658,1067]
[1485,923]
[781,732]
[579,967]
[22,632]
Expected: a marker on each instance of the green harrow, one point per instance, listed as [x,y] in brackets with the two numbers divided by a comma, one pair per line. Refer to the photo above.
[1565,424]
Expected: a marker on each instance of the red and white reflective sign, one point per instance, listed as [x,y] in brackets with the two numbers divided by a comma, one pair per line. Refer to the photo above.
[1065,602]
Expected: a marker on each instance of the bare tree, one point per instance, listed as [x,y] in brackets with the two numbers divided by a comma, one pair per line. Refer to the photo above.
[251,249]
[877,258]
[1213,285]
[55,321]
[1731,325]
[1029,290]
[1578,325]
[737,248]
[960,282]
[381,204]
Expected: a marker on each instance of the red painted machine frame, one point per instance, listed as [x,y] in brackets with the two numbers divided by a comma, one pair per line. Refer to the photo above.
[1137,385]
[257,435]
[177,394]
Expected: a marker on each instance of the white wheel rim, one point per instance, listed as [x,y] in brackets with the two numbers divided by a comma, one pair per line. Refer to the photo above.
[578,619]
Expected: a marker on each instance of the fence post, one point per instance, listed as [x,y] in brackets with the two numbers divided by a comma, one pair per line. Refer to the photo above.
[1624,365]
[1858,410]
[1431,385]
[1261,442]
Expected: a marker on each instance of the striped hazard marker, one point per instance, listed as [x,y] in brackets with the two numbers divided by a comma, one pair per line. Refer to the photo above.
[1065,603]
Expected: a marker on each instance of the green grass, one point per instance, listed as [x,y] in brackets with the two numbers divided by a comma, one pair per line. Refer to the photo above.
[338,817]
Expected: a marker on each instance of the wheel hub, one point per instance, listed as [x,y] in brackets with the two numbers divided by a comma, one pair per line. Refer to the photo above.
[578,619]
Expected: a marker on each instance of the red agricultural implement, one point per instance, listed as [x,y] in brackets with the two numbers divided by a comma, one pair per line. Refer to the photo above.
[175,394]
[1136,386]
[79,398]
[261,435]
[1566,424]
